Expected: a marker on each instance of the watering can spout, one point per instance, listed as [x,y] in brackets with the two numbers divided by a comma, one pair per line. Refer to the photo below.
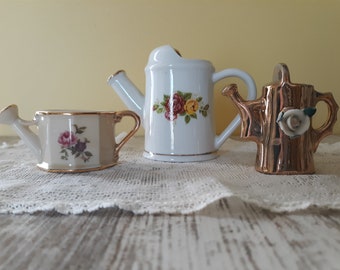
[251,127]
[9,116]
[128,92]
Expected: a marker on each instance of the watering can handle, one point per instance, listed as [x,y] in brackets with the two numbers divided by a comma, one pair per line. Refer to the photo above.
[118,117]
[281,73]
[327,128]
[251,87]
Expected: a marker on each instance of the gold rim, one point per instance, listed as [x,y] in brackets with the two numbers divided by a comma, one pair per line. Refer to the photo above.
[69,112]
[186,155]
[78,170]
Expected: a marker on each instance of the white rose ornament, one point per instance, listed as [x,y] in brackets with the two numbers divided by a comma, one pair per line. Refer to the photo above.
[295,122]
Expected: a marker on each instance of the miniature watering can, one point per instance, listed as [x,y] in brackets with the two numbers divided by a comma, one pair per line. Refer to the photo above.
[177,110]
[280,122]
[71,141]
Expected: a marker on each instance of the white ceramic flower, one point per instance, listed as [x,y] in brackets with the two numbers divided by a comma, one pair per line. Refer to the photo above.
[295,122]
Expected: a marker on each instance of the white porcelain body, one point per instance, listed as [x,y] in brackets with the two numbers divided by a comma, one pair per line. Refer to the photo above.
[56,147]
[79,141]
[178,90]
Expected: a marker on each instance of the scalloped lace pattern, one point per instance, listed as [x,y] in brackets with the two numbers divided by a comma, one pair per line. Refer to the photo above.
[144,186]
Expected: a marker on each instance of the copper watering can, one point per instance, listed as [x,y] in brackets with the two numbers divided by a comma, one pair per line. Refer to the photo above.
[280,122]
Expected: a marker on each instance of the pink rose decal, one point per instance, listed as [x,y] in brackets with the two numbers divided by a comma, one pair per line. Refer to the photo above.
[67,139]
[175,105]
[172,106]
[71,144]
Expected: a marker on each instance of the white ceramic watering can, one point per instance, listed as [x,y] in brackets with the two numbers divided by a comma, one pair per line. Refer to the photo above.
[71,141]
[177,110]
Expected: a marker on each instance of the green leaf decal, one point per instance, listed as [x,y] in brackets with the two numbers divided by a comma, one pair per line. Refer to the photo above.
[87,153]
[187,96]
[310,111]
[187,119]
[180,93]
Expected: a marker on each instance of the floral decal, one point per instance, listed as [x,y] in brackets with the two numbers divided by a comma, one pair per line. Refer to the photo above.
[295,122]
[181,104]
[71,144]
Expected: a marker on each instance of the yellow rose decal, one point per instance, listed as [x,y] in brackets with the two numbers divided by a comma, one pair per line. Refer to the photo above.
[191,106]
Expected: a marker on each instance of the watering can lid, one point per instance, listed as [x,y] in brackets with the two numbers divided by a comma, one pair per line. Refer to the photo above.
[168,56]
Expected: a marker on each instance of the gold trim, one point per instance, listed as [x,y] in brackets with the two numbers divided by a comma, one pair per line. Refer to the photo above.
[70,112]
[119,71]
[186,155]
[119,116]
[78,170]
[115,74]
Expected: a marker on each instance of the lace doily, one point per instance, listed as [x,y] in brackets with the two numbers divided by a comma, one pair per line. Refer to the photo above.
[145,186]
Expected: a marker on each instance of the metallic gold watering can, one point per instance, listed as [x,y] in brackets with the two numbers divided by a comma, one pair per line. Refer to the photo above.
[280,122]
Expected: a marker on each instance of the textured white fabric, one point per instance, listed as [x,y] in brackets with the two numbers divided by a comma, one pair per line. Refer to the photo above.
[145,186]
